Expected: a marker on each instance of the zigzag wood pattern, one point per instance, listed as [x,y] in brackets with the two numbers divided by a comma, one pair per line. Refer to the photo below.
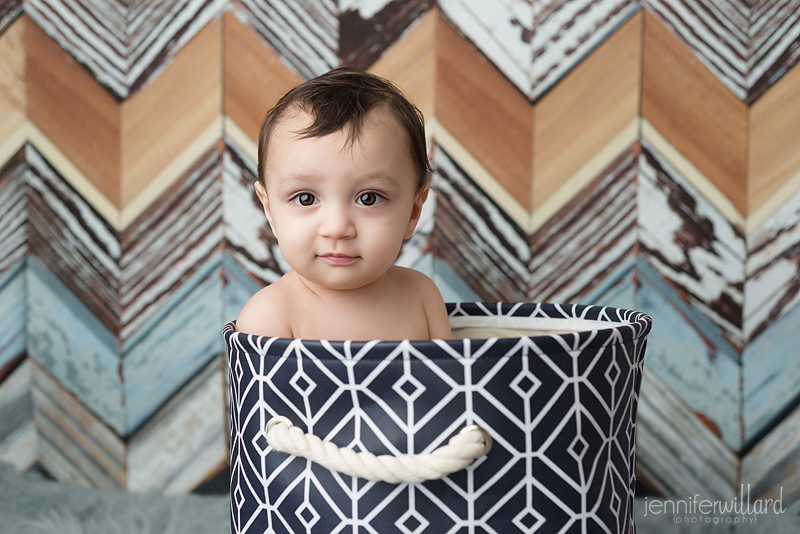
[367,29]
[773,268]
[13,206]
[747,48]
[123,46]
[691,244]
[9,10]
[589,238]
[476,238]
[17,430]
[304,32]
[565,32]
[248,239]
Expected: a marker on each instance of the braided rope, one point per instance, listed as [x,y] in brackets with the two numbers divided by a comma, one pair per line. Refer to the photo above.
[462,449]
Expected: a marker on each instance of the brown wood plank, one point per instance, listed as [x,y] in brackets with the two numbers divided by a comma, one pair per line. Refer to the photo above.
[581,114]
[76,113]
[163,118]
[692,109]
[411,64]
[12,78]
[484,112]
[255,77]
[774,134]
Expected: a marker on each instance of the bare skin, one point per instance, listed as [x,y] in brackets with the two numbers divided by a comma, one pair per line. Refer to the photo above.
[340,214]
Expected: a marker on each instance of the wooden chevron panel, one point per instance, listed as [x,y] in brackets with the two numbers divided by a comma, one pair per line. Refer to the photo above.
[773,268]
[249,242]
[411,64]
[677,454]
[9,10]
[566,31]
[486,114]
[123,45]
[694,111]
[168,244]
[771,370]
[745,47]
[13,206]
[700,368]
[579,116]
[76,242]
[773,158]
[255,77]
[73,345]
[89,452]
[13,340]
[185,441]
[13,101]
[475,238]
[304,32]
[692,245]
[769,467]
[501,30]
[367,28]
[163,119]
[17,429]
[73,111]
[589,238]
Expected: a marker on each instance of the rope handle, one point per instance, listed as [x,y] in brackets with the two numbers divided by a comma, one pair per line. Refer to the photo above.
[470,443]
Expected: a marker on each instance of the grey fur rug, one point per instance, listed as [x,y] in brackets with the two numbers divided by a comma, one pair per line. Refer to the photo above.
[30,504]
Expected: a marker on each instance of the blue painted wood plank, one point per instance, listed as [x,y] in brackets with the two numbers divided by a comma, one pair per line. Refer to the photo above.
[73,345]
[12,310]
[771,366]
[690,363]
[174,350]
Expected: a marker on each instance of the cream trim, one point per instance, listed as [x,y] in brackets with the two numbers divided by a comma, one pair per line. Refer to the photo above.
[578,181]
[707,188]
[477,172]
[169,174]
[232,131]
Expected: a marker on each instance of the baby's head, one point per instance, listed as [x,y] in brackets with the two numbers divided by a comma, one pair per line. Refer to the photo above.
[343,169]
[341,100]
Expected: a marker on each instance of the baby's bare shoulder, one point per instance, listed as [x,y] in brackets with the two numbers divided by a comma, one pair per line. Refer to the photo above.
[410,278]
[265,314]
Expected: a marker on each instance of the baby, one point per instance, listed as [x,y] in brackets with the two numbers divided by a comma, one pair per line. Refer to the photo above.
[342,176]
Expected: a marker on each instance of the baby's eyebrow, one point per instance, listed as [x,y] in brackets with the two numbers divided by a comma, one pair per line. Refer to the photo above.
[295,179]
[381,177]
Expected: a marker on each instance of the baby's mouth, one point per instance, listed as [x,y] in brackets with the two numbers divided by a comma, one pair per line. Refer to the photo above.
[338,259]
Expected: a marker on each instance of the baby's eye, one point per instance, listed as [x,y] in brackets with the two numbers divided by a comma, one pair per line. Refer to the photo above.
[304,199]
[370,198]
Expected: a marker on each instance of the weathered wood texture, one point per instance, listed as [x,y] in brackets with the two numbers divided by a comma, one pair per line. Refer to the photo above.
[745,47]
[676,452]
[589,238]
[475,238]
[17,429]
[692,245]
[254,77]
[368,28]
[565,32]
[304,32]
[694,111]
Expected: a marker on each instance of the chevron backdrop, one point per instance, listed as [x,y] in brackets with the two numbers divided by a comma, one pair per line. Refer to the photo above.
[639,154]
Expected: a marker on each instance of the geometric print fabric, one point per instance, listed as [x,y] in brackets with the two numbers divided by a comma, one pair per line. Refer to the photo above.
[561,410]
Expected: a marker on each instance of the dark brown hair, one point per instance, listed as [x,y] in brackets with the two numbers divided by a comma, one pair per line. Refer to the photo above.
[342,98]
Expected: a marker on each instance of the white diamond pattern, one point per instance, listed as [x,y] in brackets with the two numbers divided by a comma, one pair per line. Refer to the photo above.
[412,522]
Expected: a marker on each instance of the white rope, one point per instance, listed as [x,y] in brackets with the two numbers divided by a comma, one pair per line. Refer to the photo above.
[462,449]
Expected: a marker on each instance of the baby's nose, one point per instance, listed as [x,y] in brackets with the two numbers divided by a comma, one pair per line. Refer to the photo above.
[338,224]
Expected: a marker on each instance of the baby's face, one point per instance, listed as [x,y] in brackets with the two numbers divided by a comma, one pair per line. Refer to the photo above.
[340,212]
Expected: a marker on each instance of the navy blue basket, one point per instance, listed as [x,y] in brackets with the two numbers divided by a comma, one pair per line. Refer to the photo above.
[555,386]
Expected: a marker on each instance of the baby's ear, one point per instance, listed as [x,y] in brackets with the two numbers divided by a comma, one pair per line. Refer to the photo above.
[416,210]
[262,196]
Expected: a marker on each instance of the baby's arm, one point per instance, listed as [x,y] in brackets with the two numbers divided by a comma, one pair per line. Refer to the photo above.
[435,310]
[265,314]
